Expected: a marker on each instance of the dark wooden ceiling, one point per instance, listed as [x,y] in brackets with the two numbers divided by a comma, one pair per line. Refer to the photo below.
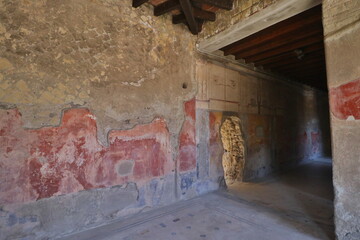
[192,13]
[293,48]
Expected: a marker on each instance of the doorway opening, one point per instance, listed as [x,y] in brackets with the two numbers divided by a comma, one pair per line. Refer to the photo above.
[289,134]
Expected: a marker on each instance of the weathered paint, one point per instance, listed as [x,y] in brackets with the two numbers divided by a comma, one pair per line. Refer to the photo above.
[315,143]
[41,163]
[345,100]
[256,122]
[215,119]
[86,53]
[187,180]
[215,145]
[187,145]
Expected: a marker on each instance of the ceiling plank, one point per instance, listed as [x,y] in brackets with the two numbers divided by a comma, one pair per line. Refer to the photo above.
[289,25]
[302,33]
[276,58]
[138,3]
[286,48]
[166,7]
[189,15]
[310,72]
[294,59]
[224,4]
[306,50]
[304,70]
[316,62]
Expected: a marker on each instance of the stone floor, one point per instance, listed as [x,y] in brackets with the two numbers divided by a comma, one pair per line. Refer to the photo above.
[296,205]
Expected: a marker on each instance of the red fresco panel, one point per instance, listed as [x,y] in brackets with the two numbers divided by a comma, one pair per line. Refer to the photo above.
[187,145]
[40,163]
[345,100]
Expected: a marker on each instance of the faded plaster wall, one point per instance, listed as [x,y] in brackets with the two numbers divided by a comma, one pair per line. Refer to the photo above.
[341,20]
[64,54]
[97,116]
[283,123]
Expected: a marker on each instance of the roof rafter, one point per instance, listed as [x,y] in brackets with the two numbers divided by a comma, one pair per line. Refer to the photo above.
[187,8]
[138,3]
[224,4]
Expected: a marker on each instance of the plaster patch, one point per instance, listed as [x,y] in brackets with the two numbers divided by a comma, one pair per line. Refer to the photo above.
[134,84]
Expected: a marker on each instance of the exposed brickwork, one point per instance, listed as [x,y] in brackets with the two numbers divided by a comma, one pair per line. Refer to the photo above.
[242,9]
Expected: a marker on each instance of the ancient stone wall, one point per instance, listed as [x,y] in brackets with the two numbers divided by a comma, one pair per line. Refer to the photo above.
[100,55]
[341,20]
[97,116]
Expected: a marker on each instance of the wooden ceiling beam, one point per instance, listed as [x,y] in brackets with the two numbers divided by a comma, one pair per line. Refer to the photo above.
[306,50]
[285,48]
[204,15]
[189,15]
[300,34]
[138,3]
[200,24]
[276,58]
[304,70]
[166,7]
[223,4]
[319,73]
[199,15]
[294,59]
[176,19]
[287,26]
[313,64]
[310,66]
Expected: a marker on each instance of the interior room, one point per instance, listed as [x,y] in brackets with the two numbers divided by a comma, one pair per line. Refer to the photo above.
[179,119]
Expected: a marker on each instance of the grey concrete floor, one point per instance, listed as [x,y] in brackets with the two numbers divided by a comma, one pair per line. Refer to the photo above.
[295,205]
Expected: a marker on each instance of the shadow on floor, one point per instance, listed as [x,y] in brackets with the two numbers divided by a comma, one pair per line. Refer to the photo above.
[303,196]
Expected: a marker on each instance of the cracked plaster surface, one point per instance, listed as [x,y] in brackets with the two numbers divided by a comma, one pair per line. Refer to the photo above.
[123,64]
